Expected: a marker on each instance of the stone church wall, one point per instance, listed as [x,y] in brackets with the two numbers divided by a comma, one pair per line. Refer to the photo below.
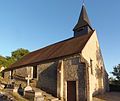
[106,82]
[74,71]
[20,72]
[23,72]
[92,53]
[7,75]
[47,77]
[19,75]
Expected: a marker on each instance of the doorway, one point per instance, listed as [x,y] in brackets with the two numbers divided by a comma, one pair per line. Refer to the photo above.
[71,90]
[34,71]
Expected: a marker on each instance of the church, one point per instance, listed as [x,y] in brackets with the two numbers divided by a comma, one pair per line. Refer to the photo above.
[71,70]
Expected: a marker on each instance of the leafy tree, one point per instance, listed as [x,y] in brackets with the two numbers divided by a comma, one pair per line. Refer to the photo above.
[116,72]
[3,61]
[10,60]
[15,55]
[113,81]
[19,53]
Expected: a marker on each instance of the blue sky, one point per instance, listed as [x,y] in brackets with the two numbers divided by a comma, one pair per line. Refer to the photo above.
[32,24]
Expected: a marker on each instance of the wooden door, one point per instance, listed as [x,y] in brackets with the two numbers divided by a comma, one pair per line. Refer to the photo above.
[71,90]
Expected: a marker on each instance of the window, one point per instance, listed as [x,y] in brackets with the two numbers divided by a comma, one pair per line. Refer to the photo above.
[101,70]
[91,66]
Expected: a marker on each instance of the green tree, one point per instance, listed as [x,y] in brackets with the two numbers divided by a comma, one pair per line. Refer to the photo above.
[19,53]
[116,72]
[10,60]
[15,55]
[3,61]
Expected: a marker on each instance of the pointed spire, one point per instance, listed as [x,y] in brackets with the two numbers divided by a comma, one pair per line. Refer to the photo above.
[83,20]
[83,25]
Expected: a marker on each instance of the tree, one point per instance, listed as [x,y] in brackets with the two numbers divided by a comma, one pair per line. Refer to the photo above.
[113,81]
[3,61]
[116,72]
[19,53]
[15,55]
[10,60]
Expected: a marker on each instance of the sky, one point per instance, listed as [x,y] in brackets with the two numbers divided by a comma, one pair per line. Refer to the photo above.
[33,24]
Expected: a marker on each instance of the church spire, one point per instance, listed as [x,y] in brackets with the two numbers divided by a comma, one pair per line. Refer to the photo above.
[83,25]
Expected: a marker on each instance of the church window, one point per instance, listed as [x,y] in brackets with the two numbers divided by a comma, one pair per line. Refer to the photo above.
[91,66]
[101,70]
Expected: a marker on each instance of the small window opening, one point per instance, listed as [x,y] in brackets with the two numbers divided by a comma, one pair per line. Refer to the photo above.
[91,66]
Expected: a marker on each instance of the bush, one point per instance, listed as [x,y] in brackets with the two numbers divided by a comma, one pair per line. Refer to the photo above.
[115,88]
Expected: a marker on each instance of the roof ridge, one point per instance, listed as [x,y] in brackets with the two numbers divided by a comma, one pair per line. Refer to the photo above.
[60,49]
[58,42]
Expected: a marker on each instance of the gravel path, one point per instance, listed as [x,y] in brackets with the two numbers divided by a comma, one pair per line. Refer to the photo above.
[111,96]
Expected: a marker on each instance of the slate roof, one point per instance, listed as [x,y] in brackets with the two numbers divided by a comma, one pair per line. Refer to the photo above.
[83,19]
[58,50]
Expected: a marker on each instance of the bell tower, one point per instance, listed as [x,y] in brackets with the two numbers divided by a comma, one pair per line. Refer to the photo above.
[83,25]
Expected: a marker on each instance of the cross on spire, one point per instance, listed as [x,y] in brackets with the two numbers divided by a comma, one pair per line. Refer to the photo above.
[83,2]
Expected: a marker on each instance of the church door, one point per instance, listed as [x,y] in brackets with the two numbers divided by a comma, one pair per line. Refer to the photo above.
[71,90]
[35,72]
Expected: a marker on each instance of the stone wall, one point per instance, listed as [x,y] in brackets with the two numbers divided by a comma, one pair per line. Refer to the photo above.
[23,72]
[106,82]
[75,71]
[47,77]
[92,54]
[7,75]
[19,75]
[47,74]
